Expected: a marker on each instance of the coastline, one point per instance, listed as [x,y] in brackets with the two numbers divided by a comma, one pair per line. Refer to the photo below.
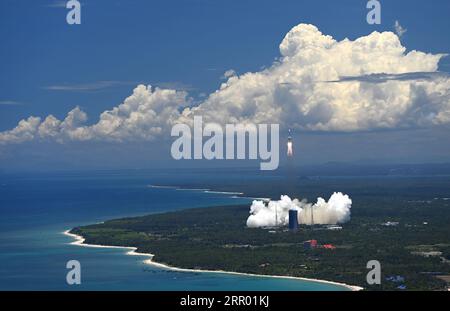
[79,241]
[234,195]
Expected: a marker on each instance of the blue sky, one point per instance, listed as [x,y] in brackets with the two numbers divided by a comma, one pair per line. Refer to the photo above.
[49,67]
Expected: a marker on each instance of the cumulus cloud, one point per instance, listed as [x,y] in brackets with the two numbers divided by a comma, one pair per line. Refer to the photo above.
[294,91]
[399,30]
[291,93]
[276,213]
[24,131]
[142,116]
[228,74]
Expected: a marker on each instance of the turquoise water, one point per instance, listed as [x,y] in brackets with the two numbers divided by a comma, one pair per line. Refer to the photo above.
[36,209]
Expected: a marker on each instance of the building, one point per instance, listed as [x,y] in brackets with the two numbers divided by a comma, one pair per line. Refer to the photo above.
[329,246]
[390,224]
[310,244]
[293,220]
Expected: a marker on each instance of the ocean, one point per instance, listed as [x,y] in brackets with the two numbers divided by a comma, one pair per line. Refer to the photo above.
[36,208]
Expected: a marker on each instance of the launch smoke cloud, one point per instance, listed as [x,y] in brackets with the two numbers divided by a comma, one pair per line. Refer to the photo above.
[276,213]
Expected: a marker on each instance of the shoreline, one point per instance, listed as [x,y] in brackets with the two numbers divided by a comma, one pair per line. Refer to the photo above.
[234,195]
[79,241]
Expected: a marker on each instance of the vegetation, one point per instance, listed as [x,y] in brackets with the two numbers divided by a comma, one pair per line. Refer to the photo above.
[216,238]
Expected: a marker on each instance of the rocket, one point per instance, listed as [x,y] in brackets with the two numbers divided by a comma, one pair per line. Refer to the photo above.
[290,151]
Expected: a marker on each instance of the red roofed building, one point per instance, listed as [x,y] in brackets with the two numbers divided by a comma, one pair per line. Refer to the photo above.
[329,246]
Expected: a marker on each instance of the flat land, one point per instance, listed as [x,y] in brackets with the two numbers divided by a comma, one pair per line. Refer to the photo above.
[216,238]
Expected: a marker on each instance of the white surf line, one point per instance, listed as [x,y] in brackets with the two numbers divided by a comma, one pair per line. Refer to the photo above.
[205,190]
[161,265]
[251,198]
[79,241]
[177,188]
[162,187]
[223,192]
[192,189]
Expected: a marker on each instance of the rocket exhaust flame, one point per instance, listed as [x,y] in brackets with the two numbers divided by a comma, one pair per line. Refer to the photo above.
[290,150]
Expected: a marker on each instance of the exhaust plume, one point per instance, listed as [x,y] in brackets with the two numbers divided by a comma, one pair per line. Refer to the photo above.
[290,151]
[276,213]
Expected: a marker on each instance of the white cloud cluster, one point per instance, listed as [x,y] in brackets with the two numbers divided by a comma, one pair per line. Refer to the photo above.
[228,74]
[295,92]
[276,213]
[143,116]
[304,89]
[24,131]
[399,30]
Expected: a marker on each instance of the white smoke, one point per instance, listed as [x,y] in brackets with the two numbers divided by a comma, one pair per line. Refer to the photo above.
[276,213]
[290,151]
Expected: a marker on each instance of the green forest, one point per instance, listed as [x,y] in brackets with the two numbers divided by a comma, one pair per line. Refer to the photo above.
[216,238]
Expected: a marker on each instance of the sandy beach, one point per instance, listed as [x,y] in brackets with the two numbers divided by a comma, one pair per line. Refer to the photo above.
[79,241]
